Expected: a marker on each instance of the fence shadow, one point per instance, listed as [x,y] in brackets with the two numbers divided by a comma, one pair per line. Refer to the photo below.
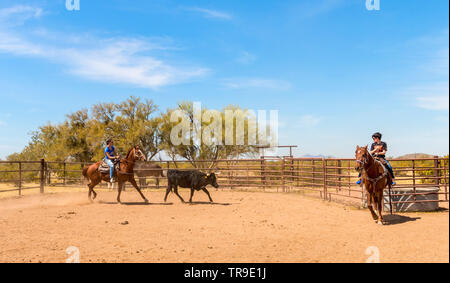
[395,219]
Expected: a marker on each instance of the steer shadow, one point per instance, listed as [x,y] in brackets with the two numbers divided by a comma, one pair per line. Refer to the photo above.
[135,203]
[207,203]
[394,219]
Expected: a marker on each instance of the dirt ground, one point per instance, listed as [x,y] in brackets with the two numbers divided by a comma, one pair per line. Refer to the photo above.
[240,227]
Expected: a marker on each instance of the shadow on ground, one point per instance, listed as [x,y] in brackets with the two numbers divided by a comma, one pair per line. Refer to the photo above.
[398,219]
[135,203]
[207,203]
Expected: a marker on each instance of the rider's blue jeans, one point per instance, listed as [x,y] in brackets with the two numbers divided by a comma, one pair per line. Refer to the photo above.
[111,167]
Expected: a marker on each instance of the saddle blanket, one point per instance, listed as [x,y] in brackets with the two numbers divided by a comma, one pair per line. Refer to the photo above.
[104,167]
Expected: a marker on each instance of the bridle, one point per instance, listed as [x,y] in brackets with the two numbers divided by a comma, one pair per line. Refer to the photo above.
[365,161]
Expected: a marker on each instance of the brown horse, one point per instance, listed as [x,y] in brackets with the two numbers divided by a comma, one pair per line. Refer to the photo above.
[124,174]
[375,178]
[144,169]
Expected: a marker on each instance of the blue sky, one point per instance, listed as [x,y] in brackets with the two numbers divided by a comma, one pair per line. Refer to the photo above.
[335,71]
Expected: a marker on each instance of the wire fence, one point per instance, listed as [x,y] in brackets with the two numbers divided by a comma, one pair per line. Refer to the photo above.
[328,178]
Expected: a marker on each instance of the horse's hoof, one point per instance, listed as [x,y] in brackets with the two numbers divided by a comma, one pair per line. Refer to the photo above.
[380,223]
[146,201]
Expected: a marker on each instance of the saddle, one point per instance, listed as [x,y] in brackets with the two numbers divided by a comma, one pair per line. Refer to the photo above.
[104,167]
[382,161]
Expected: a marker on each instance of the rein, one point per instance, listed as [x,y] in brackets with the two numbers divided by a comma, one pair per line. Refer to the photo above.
[374,181]
[127,162]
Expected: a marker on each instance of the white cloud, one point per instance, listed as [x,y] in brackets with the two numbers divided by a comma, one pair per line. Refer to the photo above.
[433,94]
[433,102]
[313,8]
[308,121]
[246,83]
[111,60]
[212,14]
[246,58]
[20,12]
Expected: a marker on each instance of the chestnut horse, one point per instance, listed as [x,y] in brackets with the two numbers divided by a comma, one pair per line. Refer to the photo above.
[375,178]
[124,174]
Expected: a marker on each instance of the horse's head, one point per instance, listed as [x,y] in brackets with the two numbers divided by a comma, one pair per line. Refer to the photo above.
[138,154]
[361,156]
[135,154]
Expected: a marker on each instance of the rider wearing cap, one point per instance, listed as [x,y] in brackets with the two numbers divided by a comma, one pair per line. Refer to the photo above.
[110,157]
[378,149]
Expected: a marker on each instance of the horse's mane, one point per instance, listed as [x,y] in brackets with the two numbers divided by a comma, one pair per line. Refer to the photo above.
[128,154]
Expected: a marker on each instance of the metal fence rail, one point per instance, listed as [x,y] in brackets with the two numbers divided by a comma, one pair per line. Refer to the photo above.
[329,178]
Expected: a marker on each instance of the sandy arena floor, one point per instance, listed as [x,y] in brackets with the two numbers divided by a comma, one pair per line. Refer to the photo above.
[241,227]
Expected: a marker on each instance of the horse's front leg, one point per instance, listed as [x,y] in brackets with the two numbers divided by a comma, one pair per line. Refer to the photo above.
[119,190]
[380,207]
[133,182]
[370,204]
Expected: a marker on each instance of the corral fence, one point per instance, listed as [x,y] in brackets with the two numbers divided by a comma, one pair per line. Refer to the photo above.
[328,178]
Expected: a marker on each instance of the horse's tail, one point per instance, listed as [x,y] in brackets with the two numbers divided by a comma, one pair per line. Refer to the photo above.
[85,170]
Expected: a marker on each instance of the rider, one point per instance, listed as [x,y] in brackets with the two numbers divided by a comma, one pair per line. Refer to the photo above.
[110,157]
[379,149]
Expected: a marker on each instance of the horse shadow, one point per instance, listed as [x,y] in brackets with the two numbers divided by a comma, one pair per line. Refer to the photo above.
[394,219]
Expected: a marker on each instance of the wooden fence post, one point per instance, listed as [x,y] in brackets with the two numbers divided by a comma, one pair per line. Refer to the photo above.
[437,171]
[414,178]
[324,166]
[339,172]
[313,173]
[20,178]
[282,175]
[445,178]
[42,176]
[64,173]
[263,173]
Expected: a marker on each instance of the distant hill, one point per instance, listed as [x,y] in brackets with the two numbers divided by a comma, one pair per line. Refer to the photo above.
[415,155]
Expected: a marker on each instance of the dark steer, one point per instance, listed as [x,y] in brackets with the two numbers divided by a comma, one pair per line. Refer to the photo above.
[191,179]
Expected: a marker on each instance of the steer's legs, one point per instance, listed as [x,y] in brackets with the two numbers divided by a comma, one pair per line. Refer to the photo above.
[169,188]
[192,194]
[176,192]
[206,191]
